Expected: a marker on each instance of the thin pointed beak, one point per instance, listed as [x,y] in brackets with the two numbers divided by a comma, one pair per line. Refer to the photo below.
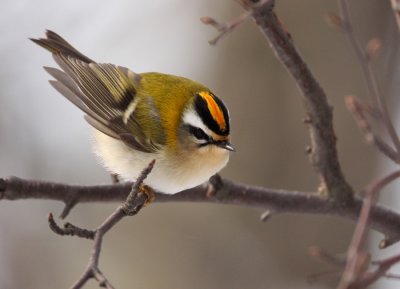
[225,145]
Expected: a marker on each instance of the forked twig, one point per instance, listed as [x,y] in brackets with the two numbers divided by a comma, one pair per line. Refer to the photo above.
[327,257]
[355,274]
[364,57]
[69,229]
[381,271]
[357,258]
[133,203]
[224,28]
[358,110]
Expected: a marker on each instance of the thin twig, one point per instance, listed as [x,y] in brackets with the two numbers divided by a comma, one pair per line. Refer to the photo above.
[131,205]
[373,276]
[358,111]
[338,261]
[69,205]
[325,256]
[92,269]
[356,257]
[366,67]
[69,229]
[323,275]
[134,202]
[224,28]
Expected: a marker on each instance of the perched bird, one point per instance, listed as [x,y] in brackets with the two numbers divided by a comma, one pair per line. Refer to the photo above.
[136,118]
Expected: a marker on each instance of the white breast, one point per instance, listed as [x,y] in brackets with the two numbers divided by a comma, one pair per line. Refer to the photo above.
[170,175]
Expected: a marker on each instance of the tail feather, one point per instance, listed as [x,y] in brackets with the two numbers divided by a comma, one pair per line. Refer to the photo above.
[56,44]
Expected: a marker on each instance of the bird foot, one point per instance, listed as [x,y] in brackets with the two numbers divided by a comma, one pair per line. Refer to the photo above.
[149,192]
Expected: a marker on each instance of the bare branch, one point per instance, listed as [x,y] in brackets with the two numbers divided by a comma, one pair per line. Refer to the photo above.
[224,28]
[381,271]
[69,205]
[321,254]
[136,200]
[358,111]
[69,229]
[382,219]
[92,269]
[323,154]
[357,259]
[133,203]
[364,58]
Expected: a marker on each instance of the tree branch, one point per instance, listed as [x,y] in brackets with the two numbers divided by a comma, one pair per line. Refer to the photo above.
[357,259]
[221,191]
[359,110]
[323,154]
[131,206]
[364,57]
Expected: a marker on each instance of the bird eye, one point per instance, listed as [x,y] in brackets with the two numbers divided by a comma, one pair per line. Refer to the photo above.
[198,133]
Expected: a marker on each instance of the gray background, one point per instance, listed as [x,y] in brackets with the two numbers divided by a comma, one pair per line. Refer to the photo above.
[192,246]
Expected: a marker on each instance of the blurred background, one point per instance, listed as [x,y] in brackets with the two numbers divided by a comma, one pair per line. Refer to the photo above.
[43,136]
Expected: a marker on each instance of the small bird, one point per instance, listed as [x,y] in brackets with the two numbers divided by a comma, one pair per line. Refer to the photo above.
[138,118]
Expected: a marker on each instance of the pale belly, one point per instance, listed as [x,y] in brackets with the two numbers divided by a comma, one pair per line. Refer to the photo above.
[169,175]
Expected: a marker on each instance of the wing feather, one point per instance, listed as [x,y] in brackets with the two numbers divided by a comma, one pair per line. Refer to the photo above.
[102,91]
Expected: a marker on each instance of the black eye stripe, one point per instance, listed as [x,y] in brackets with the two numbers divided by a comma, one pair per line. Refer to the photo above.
[198,133]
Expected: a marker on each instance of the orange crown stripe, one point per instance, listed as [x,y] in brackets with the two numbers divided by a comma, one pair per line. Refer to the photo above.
[214,109]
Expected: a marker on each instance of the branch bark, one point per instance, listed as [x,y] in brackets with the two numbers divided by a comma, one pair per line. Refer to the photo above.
[219,191]
[323,154]
[357,258]
[135,200]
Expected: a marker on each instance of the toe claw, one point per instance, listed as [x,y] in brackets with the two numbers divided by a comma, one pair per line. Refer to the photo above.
[149,192]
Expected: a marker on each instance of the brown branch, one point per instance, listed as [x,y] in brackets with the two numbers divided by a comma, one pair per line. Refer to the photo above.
[355,274]
[131,206]
[69,229]
[381,271]
[356,257]
[224,28]
[323,154]
[382,219]
[327,257]
[358,110]
[364,57]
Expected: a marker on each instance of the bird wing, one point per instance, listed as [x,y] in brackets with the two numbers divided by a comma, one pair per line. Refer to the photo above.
[105,92]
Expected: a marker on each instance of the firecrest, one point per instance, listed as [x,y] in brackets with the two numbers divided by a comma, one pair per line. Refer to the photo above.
[140,117]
